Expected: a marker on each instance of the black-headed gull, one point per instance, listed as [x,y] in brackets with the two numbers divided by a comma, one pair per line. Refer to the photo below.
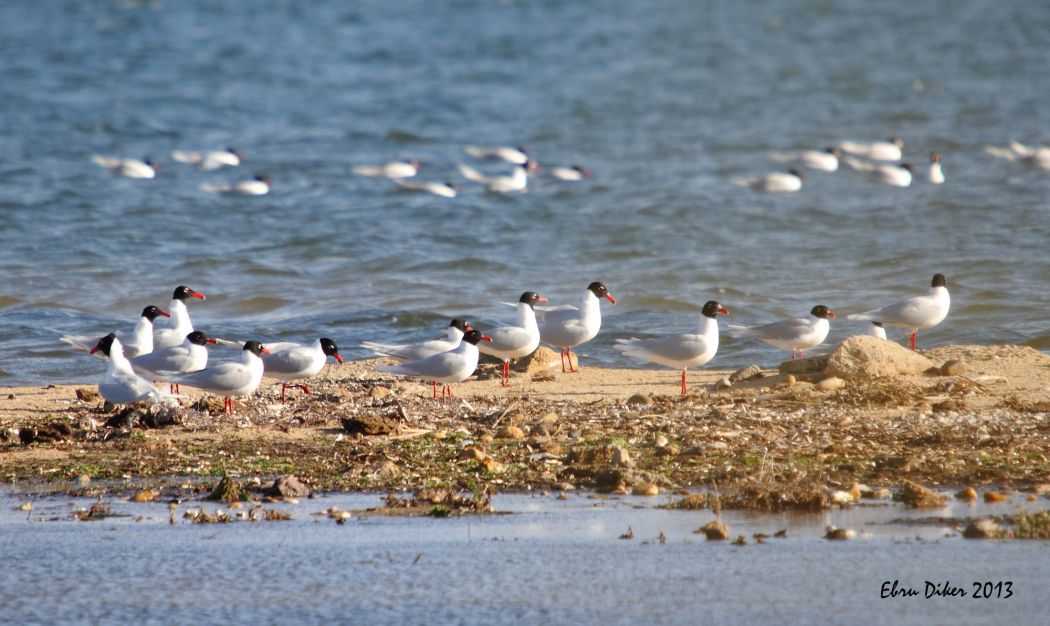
[891,150]
[189,356]
[138,341]
[680,351]
[877,329]
[227,379]
[445,189]
[209,160]
[519,340]
[893,174]
[289,362]
[566,326]
[132,168]
[826,160]
[919,312]
[935,175]
[453,366]
[515,156]
[571,173]
[777,182]
[1036,158]
[416,351]
[394,169]
[518,180]
[259,185]
[794,334]
[121,384]
[180,319]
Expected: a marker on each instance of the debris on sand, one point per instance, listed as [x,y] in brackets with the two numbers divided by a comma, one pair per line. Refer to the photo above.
[370,425]
[983,529]
[439,503]
[839,534]
[916,496]
[227,490]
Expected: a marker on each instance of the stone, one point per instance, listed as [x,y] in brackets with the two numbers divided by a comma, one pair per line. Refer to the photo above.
[660,441]
[723,383]
[995,496]
[745,373]
[915,495]
[510,432]
[542,360]
[381,392]
[950,404]
[831,383]
[88,395]
[146,495]
[841,498]
[715,530]
[621,457]
[983,529]
[808,365]
[668,450]
[638,399]
[472,453]
[839,534]
[953,367]
[370,425]
[789,380]
[863,357]
[492,466]
[288,487]
[547,425]
[646,489]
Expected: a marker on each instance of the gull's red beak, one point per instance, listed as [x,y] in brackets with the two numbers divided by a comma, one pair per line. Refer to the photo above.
[164,313]
[94,350]
[211,340]
[196,294]
[723,310]
[469,328]
[610,298]
[486,338]
[265,351]
[338,358]
[831,314]
[541,299]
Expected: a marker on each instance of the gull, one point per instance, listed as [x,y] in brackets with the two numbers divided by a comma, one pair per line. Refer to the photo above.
[445,189]
[259,185]
[210,160]
[518,180]
[935,176]
[189,356]
[826,160]
[571,173]
[877,329]
[777,182]
[794,334]
[394,169]
[519,340]
[121,384]
[891,150]
[131,168]
[416,351]
[680,351]
[227,379]
[916,313]
[139,341]
[567,326]
[515,156]
[1036,158]
[180,319]
[893,174]
[453,366]
[289,361]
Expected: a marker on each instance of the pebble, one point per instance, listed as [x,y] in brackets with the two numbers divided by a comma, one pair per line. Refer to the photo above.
[646,489]
[982,529]
[745,373]
[969,494]
[146,495]
[840,534]
[831,383]
[669,450]
[841,497]
[83,480]
[790,380]
[638,399]
[723,383]
[492,466]
[915,495]
[510,432]
[994,496]
[621,457]
[715,530]
[381,392]
[565,487]
[660,441]
[954,367]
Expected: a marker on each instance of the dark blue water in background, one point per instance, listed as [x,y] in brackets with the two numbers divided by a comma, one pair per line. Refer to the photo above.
[665,101]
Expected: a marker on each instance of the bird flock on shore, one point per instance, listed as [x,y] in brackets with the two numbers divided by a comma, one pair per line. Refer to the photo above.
[177,354]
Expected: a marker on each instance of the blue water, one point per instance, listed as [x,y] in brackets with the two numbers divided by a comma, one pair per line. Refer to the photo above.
[549,561]
[664,101]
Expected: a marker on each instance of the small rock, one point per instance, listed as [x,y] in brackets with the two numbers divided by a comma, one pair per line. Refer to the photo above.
[789,380]
[745,373]
[547,425]
[565,486]
[954,367]
[841,498]
[646,489]
[621,457]
[510,432]
[638,399]
[715,530]
[983,529]
[807,365]
[486,438]
[915,495]
[370,425]
[385,470]
[995,496]
[948,405]
[288,487]
[146,495]
[723,383]
[862,357]
[668,450]
[660,441]
[831,383]
[381,392]
[541,361]
[83,480]
[472,453]
[839,534]
[88,395]
[492,466]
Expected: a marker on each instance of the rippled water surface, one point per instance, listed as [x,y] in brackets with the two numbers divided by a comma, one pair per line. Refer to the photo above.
[548,561]
[665,101]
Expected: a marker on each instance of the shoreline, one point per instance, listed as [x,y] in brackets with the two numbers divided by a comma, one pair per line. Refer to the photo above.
[767,443]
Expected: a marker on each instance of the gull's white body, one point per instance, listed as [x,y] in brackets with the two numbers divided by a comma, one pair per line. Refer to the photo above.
[885,173]
[131,168]
[453,366]
[242,188]
[438,189]
[915,313]
[935,174]
[567,173]
[876,151]
[513,342]
[504,153]
[680,351]
[567,326]
[813,159]
[876,331]
[227,379]
[777,182]
[1036,158]
[122,385]
[138,342]
[394,169]
[795,334]
[185,357]
[180,327]
[416,351]
[207,161]
[289,361]
[518,180]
